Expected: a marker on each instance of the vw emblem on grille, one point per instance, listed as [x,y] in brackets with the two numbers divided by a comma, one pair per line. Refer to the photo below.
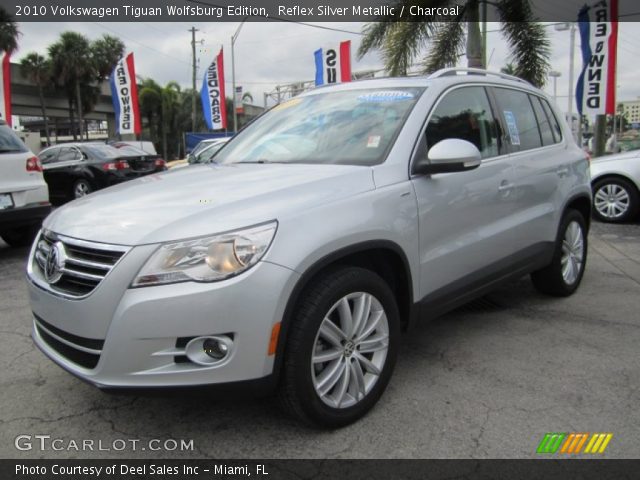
[54,263]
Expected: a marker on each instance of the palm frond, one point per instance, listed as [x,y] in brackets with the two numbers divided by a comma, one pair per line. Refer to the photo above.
[527,39]
[448,45]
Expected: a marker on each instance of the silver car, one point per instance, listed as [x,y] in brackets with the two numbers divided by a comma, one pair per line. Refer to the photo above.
[322,231]
[616,186]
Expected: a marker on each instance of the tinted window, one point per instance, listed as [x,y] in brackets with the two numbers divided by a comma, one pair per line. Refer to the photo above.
[555,126]
[132,151]
[68,154]
[520,121]
[102,151]
[9,141]
[465,113]
[543,122]
[49,155]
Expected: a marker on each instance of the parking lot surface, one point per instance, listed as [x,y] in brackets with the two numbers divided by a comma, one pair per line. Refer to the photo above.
[486,381]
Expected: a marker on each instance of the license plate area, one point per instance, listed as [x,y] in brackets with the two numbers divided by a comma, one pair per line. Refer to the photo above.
[6,201]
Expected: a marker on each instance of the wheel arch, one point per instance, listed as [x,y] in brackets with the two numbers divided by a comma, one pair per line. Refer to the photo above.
[583,204]
[383,257]
[615,175]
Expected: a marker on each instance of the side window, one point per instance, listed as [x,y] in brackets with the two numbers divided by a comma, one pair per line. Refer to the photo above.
[68,154]
[543,122]
[555,126]
[48,156]
[519,119]
[465,113]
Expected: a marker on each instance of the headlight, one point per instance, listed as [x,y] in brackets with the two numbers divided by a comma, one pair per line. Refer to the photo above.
[207,259]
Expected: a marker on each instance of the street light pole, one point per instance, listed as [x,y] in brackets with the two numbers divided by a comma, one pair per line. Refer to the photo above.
[555,74]
[233,73]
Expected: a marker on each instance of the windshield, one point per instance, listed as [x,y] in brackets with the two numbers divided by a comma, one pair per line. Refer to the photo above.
[132,151]
[207,154]
[353,127]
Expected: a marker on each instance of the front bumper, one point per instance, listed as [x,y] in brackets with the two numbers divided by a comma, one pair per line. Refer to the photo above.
[134,334]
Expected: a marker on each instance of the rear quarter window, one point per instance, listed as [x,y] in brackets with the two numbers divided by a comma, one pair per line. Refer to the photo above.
[519,118]
[10,142]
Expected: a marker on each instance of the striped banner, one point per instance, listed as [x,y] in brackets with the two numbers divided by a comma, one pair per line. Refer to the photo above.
[596,88]
[333,65]
[5,88]
[124,94]
[213,96]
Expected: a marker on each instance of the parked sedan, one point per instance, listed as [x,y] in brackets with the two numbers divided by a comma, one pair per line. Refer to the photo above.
[74,170]
[615,180]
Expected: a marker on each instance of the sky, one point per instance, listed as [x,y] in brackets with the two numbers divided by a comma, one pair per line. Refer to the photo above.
[272,53]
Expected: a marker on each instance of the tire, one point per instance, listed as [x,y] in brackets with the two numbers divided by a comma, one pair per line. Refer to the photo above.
[570,248]
[81,188]
[20,237]
[615,200]
[305,389]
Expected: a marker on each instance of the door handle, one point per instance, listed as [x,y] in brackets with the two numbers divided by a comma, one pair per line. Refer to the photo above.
[504,187]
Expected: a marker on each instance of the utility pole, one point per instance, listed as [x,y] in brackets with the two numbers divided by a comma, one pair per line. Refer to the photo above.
[193,31]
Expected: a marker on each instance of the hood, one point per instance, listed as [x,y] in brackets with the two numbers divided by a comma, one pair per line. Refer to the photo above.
[204,200]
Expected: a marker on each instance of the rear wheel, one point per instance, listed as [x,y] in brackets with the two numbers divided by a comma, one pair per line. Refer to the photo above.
[341,349]
[615,200]
[81,188]
[563,275]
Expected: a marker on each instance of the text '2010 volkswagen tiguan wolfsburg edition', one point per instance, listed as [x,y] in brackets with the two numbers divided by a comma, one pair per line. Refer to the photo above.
[323,229]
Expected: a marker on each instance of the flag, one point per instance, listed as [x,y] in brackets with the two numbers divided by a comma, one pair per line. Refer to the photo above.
[124,94]
[333,65]
[5,88]
[238,100]
[212,94]
[596,89]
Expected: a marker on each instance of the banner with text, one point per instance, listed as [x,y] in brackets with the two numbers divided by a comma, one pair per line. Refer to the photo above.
[124,94]
[596,89]
[333,64]
[5,88]
[212,94]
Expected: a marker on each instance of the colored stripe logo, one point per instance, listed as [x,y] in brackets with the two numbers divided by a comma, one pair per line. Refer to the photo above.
[573,443]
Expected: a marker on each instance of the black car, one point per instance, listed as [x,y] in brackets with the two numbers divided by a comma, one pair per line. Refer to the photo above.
[73,170]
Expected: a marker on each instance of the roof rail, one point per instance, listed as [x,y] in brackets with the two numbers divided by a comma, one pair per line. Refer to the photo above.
[447,72]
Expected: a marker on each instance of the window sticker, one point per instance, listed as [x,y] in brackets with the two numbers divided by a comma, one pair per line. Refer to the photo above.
[386,96]
[514,136]
[373,141]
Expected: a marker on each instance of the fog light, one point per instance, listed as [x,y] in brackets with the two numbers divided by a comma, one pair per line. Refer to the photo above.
[215,348]
[209,350]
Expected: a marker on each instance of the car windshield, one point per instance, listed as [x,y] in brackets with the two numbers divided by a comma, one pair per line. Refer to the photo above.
[9,141]
[131,151]
[207,154]
[352,127]
[201,146]
[103,151]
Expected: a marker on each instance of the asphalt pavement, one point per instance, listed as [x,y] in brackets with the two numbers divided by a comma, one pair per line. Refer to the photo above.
[486,381]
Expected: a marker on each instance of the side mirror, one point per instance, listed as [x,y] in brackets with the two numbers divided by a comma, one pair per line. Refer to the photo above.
[450,155]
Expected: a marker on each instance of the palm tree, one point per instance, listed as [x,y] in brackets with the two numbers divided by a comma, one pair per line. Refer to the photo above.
[106,53]
[170,96]
[72,65]
[37,69]
[402,41]
[150,98]
[9,32]
[509,69]
[248,97]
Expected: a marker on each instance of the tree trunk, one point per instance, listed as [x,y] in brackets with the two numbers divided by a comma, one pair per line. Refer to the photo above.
[72,120]
[79,105]
[474,38]
[44,114]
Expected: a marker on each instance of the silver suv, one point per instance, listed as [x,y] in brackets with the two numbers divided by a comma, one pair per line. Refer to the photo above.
[321,232]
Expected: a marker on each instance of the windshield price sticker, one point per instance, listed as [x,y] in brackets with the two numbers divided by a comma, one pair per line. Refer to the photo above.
[386,96]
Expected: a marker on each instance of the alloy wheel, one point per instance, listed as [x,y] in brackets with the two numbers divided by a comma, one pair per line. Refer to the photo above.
[572,252]
[350,350]
[81,189]
[612,201]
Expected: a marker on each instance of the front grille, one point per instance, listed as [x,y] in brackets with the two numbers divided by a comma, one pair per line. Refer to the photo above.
[82,351]
[85,265]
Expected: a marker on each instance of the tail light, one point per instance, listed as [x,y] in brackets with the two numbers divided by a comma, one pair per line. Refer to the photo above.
[34,165]
[117,165]
[160,163]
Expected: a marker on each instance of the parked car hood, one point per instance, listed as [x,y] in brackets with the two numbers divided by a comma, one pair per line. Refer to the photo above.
[204,199]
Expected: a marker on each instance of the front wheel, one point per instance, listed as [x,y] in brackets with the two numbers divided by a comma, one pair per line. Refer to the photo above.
[563,275]
[341,349]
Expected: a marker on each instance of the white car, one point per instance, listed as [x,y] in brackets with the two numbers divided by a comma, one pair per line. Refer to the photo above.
[615,180]
[24,195]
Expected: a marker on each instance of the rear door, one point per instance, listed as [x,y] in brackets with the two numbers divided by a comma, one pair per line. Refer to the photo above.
[538,155]
[464,216]
[62,172]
